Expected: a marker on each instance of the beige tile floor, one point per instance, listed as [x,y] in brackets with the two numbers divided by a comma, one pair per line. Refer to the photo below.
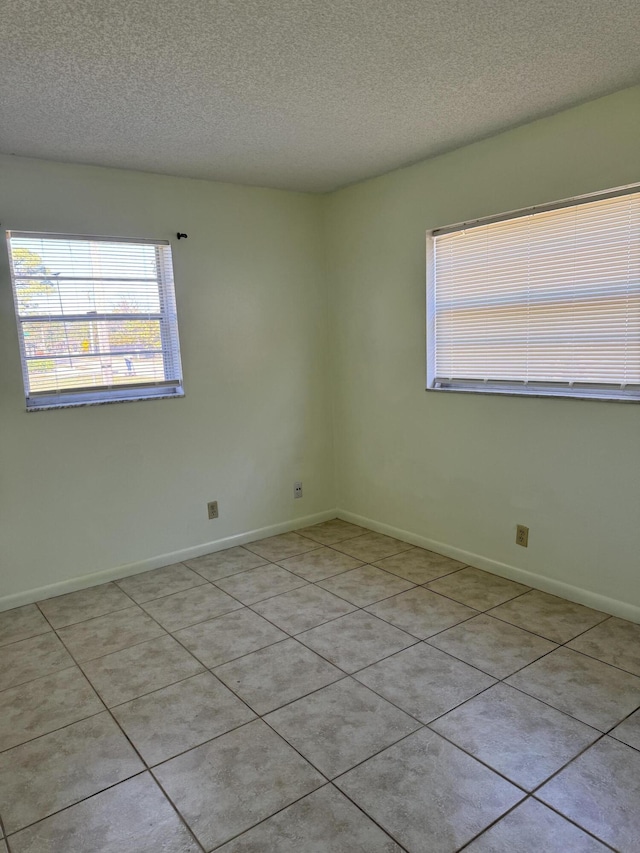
[326,691]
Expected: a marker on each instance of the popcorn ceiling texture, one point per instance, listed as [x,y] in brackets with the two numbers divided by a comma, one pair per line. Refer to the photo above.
[298,94]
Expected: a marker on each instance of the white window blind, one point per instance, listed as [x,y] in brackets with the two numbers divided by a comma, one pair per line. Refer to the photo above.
[96,318]
[546,302]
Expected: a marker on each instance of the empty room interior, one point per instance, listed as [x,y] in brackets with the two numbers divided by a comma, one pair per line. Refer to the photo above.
[320,414]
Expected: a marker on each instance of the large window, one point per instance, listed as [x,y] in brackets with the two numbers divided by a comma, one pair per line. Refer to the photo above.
[544,301]
[96,319]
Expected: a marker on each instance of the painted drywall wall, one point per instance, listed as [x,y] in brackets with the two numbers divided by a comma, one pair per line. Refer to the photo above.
[90,489]
[270,378]
[463,469]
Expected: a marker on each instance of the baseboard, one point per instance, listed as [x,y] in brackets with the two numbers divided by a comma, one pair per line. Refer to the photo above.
[83,581]
[623,609]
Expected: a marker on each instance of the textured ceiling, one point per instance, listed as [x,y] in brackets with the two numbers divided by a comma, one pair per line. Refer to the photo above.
[300,94]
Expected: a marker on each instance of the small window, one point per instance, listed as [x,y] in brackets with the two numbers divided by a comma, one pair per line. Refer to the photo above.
[544,301]
[96,319]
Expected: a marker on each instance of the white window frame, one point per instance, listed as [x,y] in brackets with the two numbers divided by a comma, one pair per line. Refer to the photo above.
[116,393]
[584,390]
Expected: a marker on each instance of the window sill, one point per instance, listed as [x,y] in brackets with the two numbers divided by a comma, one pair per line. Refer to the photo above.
[75,404]
[537,394]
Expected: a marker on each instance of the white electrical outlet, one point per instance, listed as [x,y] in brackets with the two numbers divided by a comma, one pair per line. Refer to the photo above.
[297,490]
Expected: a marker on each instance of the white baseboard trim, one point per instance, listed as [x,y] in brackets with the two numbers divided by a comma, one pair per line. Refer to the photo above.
[83,581]
[623,609]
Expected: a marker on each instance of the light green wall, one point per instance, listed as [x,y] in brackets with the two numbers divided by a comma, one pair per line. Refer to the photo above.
[463,469]
[271,376]
[90,489]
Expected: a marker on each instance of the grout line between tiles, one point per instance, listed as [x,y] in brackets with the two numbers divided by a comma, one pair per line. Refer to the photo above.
[155,765]
[574,822]
[71,665]
[521,803]
[261,717]
[269,560]
[80,663]
[181,818]
[425,639]
[77,802]
[370,817]
[492,824]
[199,621]
[144,763]
[232,574]
[117,610]
[536,633]
[52,731]
[267,597]
[601,735]
[599,660]
[473,607]
[265,819]
[96,616]
[102,791]
[8,645]
[327,784]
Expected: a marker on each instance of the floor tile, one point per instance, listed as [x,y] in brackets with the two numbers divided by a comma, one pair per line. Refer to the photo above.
[130,673]
[258,584]
[493,646]
[424,682]
[284,545]
[419,566]
[54,771]
[40,706]
[477,588]
[107,634]
[372,547]
[520,737]
[303,608]
[271,677]
[321,822]
[421,612]
[33,658]
[329,532]
[177,718]
[533,828]
[229,784]
[190,606]
[600,791]
[555,618]
[228,637]
[365,585]
[320,564]
[615,641]
[356,640]
[159,582]
[22,623]
[429,795]
[593,692]
[341,725]
[629,731]
[132,817]
[84,604]
[221,564]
